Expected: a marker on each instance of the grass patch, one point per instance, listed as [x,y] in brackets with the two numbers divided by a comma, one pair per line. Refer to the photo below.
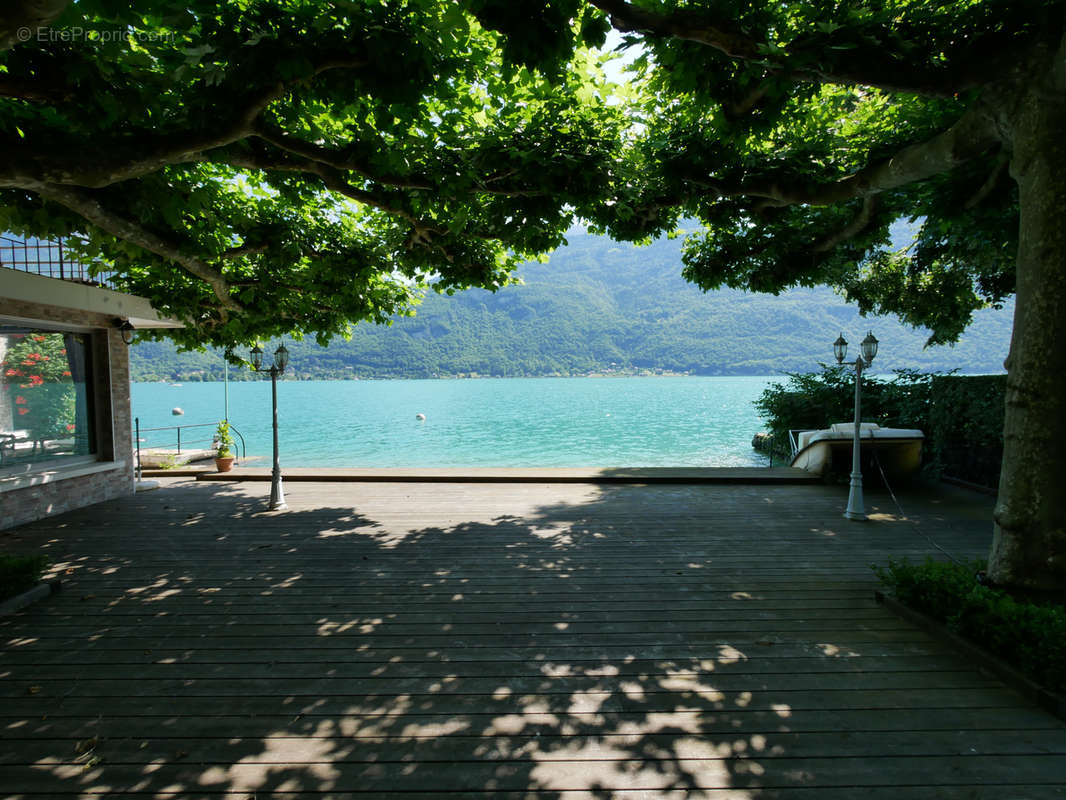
[1029,635]
[19,573]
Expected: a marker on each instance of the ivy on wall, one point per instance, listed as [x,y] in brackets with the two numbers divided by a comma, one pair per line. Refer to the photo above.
[966,426]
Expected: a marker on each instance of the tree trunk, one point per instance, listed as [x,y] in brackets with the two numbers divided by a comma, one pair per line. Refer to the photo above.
[1029,544]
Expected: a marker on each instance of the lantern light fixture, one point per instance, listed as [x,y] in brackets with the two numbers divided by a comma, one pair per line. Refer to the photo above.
[125,329]
[281,357]
[869,348]
[840,348]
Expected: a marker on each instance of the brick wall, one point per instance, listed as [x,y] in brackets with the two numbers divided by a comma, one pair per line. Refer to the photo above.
[111,386]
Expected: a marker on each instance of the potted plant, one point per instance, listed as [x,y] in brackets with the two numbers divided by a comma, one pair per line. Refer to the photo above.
[224,447]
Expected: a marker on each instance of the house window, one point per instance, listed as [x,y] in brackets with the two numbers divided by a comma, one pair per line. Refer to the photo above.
[46,398]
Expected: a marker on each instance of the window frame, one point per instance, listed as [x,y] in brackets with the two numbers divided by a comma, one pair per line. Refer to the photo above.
[100,416]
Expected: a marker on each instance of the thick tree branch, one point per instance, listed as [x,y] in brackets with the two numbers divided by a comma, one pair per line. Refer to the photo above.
[331,178]
[337,160]
[973,134]
[865,216]
[744,105]
[422,232]
[991,182]
[121,160]
[114,162]
[968,138]
[720,34]
[867,66]
[88,207]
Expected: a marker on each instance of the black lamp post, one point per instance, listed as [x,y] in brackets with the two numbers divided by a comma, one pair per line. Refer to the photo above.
[281,360]
[856,508]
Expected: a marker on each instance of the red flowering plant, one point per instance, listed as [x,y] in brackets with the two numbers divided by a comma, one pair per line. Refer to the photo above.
[36,378]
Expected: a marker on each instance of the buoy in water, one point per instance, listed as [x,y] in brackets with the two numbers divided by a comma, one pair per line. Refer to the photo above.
[420,417]
[177,412]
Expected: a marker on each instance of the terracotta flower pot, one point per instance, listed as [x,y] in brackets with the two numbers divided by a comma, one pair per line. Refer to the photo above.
[224,464]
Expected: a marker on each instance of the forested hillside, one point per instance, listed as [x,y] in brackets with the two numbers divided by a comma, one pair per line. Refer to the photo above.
[599,306]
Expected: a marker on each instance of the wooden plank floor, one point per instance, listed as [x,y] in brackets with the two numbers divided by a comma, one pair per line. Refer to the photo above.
[501,640]
[610,475]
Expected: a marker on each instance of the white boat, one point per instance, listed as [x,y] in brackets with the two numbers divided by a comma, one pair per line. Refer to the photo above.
[899,450]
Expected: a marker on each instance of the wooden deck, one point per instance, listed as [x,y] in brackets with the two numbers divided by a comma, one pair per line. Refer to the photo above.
[501,640]
[615,475]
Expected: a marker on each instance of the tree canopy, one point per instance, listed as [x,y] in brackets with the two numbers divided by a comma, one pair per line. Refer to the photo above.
[265,167]
[798,132]
[268,166]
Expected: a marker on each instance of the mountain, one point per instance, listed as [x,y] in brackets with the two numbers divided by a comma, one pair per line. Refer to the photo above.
[599,306]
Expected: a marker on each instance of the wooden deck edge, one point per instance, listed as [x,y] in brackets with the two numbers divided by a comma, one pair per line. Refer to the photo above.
[1045,698]
[30,596]
[973,487]
[460,477]
[178,472]
[188,470]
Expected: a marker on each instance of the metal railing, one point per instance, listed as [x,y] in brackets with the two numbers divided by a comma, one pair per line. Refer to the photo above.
[50,258]
[175,441]
[769,443]
[771,450]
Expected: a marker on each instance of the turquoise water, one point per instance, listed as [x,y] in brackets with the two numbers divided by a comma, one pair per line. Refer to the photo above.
[505,422]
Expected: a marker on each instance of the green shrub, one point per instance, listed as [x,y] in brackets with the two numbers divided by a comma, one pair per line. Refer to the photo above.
[815,400]
[961,416]
[1029,635]
[966,426]
[19,573]
[223,440]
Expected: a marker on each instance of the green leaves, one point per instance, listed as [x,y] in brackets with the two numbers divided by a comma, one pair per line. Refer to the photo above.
[19,573]
[1028,635]
[263,167]
[443,140]
[760,148]
[594,27]
[961,416]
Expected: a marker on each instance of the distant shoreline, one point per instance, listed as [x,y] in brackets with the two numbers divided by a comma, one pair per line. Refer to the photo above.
[239,376]
[245,377]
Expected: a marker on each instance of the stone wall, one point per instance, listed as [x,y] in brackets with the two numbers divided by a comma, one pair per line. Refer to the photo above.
[62,489]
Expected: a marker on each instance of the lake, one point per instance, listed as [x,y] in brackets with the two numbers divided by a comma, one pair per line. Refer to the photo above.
[499,422]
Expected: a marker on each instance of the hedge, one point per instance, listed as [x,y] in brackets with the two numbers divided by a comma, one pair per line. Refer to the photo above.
[966,426]
[1030,635]
[19,573]
[961,416]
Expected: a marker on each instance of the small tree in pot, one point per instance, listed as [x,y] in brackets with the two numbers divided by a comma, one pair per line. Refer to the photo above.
[224,447]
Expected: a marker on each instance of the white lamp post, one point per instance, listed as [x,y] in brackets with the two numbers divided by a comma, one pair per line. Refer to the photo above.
[856,508]
[281,360]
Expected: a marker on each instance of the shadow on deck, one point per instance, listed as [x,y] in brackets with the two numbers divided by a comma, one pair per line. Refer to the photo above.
[501,640]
